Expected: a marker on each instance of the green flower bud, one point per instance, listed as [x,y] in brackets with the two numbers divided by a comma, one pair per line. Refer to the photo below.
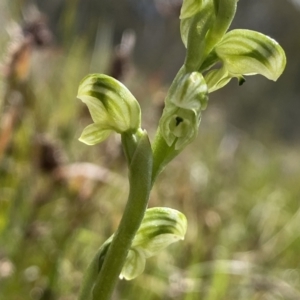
[111,105]
[224,14]
[160,227]
[189,8]
[193,33]
[190,92]
[203,25]
[181,117]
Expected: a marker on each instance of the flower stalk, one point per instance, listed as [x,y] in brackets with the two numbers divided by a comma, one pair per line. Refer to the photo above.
[140,171]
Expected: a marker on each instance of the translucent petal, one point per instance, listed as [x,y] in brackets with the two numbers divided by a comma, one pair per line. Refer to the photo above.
[193,33]
[94,134]
[161,226]
[224,14]
[216,79]
[110,102]
[246,52]
[190,8]
[191,92]
[96,108]
[134,264]
[184,30]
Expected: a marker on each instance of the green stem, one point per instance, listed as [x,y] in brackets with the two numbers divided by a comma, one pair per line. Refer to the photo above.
[102,276]
[162,154]
[140,184]
[129,142]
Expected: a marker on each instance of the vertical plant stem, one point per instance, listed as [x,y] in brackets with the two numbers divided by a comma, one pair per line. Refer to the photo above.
[162,154]
[140,170]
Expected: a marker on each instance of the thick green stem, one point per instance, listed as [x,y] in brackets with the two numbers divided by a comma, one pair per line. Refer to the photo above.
[140,184]
[162,154]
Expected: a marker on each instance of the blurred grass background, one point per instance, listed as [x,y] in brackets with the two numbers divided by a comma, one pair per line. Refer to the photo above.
[238,183]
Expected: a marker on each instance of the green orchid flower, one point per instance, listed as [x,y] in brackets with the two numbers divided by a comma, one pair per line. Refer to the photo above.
[112,108]
[182,114]
[161,227]
[245,52]
[241,52]
[214,56]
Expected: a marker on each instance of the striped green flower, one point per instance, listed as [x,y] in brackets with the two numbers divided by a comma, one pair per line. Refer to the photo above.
[111,105]
[246,52]
[161,227]
[203,24]
[182,113]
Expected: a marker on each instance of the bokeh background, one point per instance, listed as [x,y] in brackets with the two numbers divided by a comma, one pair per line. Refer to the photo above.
[238,183]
